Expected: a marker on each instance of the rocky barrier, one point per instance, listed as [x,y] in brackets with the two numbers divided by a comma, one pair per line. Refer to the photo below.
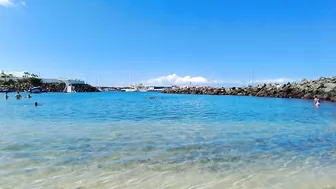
[324,88]
[59,87]
[25,84]
[85,88]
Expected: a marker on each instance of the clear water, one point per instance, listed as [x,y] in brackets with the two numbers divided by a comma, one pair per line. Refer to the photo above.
[123,140]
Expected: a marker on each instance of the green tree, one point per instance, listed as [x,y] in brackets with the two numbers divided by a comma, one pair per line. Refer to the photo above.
[11,82]
[22,81]
[35,81]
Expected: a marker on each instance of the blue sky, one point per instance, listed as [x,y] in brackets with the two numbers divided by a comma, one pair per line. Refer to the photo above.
[164,41]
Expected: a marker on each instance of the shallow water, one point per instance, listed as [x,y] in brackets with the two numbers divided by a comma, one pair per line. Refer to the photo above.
[123,140]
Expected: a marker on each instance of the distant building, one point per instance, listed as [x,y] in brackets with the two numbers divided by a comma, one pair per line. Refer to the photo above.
[26,75]
[50,80]
[63,80]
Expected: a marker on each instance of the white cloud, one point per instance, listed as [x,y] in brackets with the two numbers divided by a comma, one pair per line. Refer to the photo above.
[15,74]
[12,3]
[174,79]
[279,80]
[6,3]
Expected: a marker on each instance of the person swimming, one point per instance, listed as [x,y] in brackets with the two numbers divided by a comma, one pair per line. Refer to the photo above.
[28,96]
[35,104]
[316,101]
[6,95]
[18,96]
[152,97]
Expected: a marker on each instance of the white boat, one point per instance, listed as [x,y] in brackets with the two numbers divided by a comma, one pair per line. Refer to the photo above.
[35,90]
[157,89]
[136,88]
[143,90]
[131,90]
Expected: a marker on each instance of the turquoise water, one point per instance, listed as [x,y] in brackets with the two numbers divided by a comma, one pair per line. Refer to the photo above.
[123,140]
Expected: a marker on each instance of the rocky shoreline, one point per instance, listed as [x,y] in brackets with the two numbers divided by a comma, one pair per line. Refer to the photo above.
[324,88]
[59,87]
[25,84]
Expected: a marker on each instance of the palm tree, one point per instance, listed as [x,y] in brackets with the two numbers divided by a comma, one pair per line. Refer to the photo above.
[26,74]
[33,75]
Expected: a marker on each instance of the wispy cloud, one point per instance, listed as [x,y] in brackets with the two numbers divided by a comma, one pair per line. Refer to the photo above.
[12,3]
[237,82]
[278,80]
[6,3]
[16,74]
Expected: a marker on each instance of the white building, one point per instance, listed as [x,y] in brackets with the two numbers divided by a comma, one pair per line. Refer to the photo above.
[20,75]
[49,80]
[62,80]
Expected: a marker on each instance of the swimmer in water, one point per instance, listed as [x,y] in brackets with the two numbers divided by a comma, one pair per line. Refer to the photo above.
[28,96]
[152,97]
[6,95]
[18,96]
[316,101]
[35,104]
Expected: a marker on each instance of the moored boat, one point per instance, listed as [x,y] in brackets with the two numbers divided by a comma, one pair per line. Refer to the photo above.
[5,90]
[131,90]
[143,90]
[35,90]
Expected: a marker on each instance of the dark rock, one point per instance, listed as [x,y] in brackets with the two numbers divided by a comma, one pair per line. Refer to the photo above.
[324,88]
[333,99]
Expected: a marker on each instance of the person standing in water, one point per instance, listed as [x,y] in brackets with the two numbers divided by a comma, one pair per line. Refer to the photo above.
[18,96]
[6,95]
[316,101]
[35,104]
[28,96]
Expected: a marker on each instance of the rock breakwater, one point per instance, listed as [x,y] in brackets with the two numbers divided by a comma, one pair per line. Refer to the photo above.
[324,88]
[59,87]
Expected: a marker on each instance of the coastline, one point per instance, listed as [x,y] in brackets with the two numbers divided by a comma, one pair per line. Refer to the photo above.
[23,85]
[324,88]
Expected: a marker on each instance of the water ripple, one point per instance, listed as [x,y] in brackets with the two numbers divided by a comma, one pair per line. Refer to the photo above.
[119,140]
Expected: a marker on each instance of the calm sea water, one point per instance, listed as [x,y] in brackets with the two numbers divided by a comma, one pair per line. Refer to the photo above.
[123,140]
